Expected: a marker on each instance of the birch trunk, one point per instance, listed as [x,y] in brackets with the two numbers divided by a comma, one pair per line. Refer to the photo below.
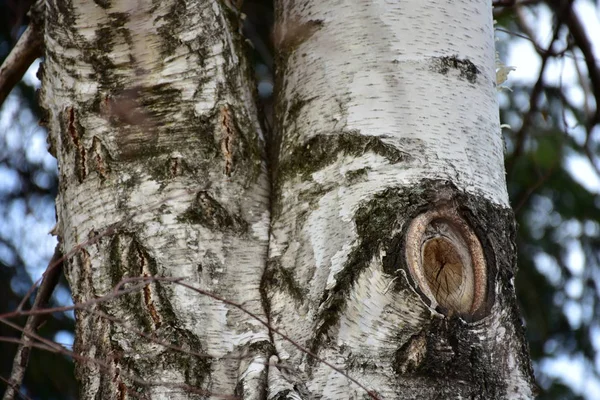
[152,119]
[392,251]
[384,250]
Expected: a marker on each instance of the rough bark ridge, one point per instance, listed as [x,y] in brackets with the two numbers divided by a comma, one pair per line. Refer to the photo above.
[386,114]
[153,123]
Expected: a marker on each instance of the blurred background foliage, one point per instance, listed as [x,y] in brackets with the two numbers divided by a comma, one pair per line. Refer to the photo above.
[553,177]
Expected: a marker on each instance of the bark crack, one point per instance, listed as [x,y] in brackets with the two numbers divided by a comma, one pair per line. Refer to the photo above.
[228,138]
[74,131]
[148,298]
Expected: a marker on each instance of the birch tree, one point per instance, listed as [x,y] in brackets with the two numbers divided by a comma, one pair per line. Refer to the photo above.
[361,248]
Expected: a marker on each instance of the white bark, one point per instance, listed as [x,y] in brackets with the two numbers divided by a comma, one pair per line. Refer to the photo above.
[390,163]
[152,118]
[385,110]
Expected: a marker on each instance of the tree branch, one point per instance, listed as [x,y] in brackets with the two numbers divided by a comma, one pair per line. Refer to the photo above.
[49,282]
[28,48]
[533,99]
[565,14]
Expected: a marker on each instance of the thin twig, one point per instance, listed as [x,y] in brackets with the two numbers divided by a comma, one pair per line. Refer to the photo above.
[533,106]
[49,282]
[117,291]
[533,188]
[7,382]
[370,393]
[565,13]
[49,345]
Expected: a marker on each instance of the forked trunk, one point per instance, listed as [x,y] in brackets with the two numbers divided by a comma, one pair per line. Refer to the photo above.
[383,248]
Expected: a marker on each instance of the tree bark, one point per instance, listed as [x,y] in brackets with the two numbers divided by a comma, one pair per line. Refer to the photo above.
[380,250]
[392,251]
[151,115]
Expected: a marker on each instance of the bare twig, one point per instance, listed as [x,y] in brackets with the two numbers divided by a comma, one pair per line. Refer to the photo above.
[49,282]
[533,106]
[82,306]
[533,188]
[565,13]
[7,382]
[144,280]
[49,345]
[585,87]
[306,351]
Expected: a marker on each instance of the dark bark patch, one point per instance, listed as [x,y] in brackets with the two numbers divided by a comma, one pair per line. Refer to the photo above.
[375,219]
[125,262]
[97,57]
[286,394]
[410,357]
[238,143]
[168,31]
[290,37]
[96,157]
[322,150]
[105,4]
[207,211]
[280,279]
[62,14]
[142,260]
[174,166]
[72,132]
[84,288]
[164,168]
[455,353]
[191,359]
[99,159]
[466,68]
[359,175]
[228,138]
[130,259]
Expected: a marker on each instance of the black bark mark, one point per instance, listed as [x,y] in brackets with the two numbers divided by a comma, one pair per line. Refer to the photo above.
[375,219]
[208,211]
[466,68]
[278,278]
[322,150]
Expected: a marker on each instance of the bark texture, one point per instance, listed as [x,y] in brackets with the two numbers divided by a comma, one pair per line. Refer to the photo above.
[385,251]
[387,112]
[152,119]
